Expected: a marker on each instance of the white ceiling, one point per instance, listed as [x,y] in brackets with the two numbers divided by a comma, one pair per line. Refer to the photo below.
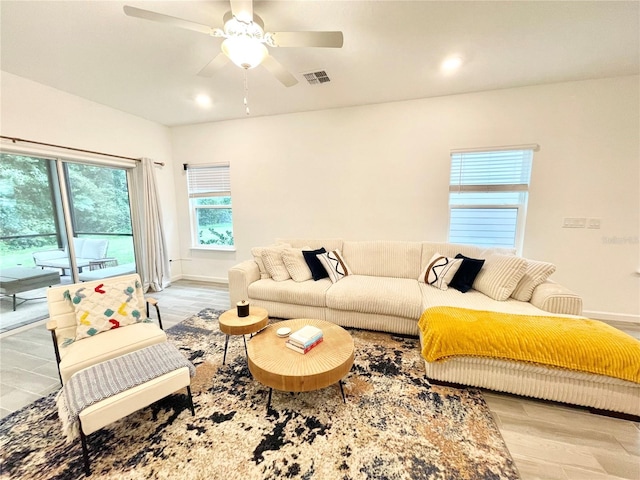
[392,51]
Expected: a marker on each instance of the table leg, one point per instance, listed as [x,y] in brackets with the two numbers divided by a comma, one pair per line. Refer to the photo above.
[344,399]
[226,344]
[269,400]
[246,354]
[14,302]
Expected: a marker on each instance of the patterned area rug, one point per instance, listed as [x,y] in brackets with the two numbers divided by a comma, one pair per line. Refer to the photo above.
[394,425]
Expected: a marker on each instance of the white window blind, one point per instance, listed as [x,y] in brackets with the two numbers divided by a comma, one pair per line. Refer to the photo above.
[484,227]
[209,181]
[491,171]
[488,193]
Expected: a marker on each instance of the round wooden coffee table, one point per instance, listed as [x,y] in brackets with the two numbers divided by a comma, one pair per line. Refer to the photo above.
[232,324]
[276,366]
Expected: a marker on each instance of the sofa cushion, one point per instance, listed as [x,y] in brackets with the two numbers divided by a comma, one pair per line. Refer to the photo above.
[500,275]
[429,249]
[335,265]
[535,274]
[432,297]
[315,265]
[298,293]
[296,265]
[108,345]
[93,248]
[314,243]
[467,273]
[439,271]
[384,258]
[381,295]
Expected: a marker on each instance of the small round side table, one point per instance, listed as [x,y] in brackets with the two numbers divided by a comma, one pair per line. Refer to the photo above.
[232,324]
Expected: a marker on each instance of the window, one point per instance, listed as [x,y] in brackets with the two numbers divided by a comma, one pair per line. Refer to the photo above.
[210,205]
[488,194]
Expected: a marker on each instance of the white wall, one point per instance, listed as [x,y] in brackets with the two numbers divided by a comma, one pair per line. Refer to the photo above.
[382,172]
[34,111]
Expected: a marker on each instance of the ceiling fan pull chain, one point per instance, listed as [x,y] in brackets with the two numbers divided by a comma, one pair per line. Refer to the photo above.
[246,93]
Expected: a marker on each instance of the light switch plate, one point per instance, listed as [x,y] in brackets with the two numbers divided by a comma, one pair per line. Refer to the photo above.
[574,222]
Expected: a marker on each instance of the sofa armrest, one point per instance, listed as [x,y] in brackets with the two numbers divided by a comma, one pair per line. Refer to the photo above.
[553,297]
[240,277]
[39,257]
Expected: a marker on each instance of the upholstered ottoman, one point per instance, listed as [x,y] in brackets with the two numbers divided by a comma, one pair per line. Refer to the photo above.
[99,395]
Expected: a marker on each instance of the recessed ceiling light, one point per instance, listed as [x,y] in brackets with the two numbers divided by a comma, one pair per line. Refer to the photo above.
[203,100]
[450,64]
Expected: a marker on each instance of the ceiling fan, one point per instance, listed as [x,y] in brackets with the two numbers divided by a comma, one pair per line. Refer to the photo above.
[245,40]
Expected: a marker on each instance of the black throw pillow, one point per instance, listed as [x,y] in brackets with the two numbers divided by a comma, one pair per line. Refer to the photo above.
[466,274]
[317,269]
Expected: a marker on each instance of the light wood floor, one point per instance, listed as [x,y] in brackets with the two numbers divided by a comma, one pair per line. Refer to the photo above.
[547,441]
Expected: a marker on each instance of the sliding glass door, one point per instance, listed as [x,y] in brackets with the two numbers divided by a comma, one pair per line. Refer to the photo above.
[59,217]
[100,211]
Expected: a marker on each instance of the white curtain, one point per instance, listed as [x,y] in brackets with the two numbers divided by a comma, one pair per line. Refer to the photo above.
[153,258]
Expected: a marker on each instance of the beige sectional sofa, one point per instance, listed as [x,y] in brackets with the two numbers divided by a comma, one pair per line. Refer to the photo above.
[382,293]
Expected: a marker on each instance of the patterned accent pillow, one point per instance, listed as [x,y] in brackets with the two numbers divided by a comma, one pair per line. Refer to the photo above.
[334,264]
[257,256]
[535,274]
[500,276]
[296,265]
[439,271]
[106,307]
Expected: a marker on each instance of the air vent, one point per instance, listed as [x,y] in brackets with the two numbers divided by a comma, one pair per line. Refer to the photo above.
[316,78]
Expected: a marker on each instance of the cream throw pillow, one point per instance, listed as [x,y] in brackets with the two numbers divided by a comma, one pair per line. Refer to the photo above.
[500,275]
[257,256]
[272,259]
[439,271]
[535,274]
[296,264]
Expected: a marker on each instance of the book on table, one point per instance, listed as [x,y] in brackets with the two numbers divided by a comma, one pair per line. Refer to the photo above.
[305,336]
[298,349]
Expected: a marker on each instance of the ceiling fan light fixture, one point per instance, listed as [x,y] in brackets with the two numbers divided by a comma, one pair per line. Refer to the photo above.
[245,52]
[233,27]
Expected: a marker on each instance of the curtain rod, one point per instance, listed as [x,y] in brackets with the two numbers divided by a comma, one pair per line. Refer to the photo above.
[14,140]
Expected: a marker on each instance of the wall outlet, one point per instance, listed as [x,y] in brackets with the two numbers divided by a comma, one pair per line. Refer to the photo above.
[593,223]
[574,222]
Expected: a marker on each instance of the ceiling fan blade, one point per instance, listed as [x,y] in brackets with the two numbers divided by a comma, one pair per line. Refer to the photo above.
[159,17]
[278,71]
[242,10]
[308,39]
[210,68]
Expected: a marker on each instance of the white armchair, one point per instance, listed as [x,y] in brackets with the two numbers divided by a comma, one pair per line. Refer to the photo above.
[73,354]
[87,250]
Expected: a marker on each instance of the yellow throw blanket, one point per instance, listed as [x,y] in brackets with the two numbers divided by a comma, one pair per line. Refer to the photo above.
[577,344]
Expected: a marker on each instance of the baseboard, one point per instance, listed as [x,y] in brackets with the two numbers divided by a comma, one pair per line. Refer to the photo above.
[616,317]
[202,278]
